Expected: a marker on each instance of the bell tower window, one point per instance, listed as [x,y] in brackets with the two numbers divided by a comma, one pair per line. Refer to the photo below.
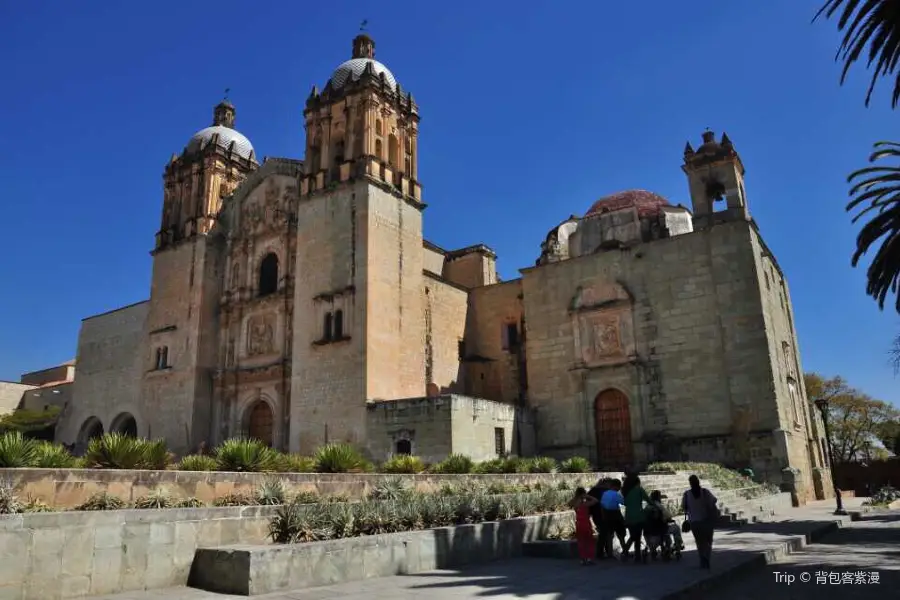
[328,326]
[338,324]
[393,151]
[268,275]
[338,153]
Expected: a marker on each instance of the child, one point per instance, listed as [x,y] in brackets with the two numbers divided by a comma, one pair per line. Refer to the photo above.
[584,533]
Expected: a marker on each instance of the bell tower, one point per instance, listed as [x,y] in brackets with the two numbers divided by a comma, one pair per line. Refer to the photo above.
[715,175]
[359,315]
[214,162]
[362,124]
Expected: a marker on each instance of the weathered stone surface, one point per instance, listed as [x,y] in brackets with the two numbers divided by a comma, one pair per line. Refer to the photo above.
[254,570]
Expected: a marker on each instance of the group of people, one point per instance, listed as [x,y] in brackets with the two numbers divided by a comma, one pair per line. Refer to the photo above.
[645,517]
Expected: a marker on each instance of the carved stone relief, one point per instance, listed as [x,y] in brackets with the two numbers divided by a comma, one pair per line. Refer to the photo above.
[601,337]
[603,325]
[261,335]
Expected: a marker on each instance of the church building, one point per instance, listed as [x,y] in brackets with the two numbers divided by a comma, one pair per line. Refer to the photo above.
[296,301]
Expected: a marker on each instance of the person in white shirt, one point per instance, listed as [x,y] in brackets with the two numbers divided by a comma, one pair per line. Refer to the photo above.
[701,513]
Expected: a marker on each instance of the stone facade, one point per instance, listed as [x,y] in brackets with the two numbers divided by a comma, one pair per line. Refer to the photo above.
[298,303]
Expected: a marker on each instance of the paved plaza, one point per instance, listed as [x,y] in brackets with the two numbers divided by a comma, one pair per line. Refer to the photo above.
[858,546]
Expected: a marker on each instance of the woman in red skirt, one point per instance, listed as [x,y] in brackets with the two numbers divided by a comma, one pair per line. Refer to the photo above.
[584,532]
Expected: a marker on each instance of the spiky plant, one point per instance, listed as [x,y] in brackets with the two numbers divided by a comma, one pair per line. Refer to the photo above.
[188,503]
[271,492]
[458,464]
[340,458]
[48,455]
[244,455]
[197,462]
[235,499]
[102,501]
[394,488]
[541,464]
[119,451]
[295,523]
[296,463]
[36,505]
[403,463]
[576,464]
[16,451]
[158,498]
[306,497]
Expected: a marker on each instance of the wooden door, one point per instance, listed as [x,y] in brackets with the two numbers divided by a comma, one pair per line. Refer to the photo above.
[612,419]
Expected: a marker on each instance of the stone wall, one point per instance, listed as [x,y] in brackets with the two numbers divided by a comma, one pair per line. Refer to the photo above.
[108,383]
[493,366]
[11,396]
[49,556]
[438,426]
[67,488]
[687,339]
[446,307]
[46,396]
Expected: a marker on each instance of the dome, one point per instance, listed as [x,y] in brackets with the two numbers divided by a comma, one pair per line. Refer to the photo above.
[354,68]
[202,138]
[647,203]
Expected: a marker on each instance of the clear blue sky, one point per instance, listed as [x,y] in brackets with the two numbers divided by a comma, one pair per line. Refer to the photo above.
[530,112]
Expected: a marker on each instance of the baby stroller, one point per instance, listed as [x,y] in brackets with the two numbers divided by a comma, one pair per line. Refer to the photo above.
[661,533]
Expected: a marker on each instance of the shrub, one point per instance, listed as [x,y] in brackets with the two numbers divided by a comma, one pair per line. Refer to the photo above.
[102,501]
[9,502]
[271,492]
[245,456]
[306,498]
[340,458]
[404,463]
[576,464]
[719,476]
[391,489]
[197,462]
[118,451]
[188,503]
[52,456]
[498,465]
[883,497]
[296,463]
[35,505]
[158,498]
[454,464]
[16,451]
[298,523]
[539,464]
[235,499]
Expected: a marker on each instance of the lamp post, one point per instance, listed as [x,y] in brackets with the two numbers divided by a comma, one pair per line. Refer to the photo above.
[822,405]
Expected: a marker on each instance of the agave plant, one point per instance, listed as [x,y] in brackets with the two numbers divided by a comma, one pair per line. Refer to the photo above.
[576,464]
[16,451]
[296,463]
[235,499]
[9,502]
[403,463]
[197,462]
[245,455]
[36,505]
[271,492]
[188,503]
[295,523]
[48,455]
[158,498]
[454,464]
[541,464]
[102,501]
[340,458]
[119,451]
[394,488]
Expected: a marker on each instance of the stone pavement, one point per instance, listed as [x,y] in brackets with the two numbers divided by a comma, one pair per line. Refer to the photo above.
[849,555]
[548,579]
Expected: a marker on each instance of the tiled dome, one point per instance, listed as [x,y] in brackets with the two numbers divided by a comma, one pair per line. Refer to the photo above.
[647,203]
[354,68]
[202,138]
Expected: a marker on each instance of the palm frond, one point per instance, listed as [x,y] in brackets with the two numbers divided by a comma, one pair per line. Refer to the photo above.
[872,24]
[875,194]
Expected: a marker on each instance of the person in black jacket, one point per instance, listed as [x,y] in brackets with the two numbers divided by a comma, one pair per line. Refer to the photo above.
[604,535]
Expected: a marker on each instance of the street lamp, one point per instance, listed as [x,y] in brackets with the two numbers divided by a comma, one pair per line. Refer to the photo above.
[822,405]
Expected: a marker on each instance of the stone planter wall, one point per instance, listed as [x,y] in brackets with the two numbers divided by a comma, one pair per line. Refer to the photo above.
[67,488]
[254,570]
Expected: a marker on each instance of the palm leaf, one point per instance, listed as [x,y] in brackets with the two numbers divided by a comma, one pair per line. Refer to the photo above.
[875,194]
[872,24]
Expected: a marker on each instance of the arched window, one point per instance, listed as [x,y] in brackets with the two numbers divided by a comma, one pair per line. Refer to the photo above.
[268,275]
[393,151]
[379,127]
[404,447]
[378,149]
[338,324]
[260,423]
[338,153]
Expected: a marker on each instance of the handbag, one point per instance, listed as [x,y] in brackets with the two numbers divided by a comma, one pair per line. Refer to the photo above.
[685,526]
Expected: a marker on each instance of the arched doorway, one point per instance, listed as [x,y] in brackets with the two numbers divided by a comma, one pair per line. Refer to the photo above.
[125,424]
[403,447]
[612,420]
[260,422]
[90,429]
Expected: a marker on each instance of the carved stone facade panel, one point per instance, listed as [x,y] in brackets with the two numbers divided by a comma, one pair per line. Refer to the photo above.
[603,325]
[260,335]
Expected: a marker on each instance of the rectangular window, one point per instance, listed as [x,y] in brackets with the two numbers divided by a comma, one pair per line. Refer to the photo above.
[162,358]
[328,330]
[500,441]
[338,324]
[512,336]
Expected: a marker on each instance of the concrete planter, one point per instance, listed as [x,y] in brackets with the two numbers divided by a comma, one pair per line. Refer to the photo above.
[254,570]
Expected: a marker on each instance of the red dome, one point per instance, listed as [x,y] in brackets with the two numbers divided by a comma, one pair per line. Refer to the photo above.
[647,203]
